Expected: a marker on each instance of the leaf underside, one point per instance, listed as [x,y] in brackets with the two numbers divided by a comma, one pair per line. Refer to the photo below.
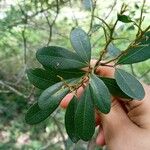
[129,84]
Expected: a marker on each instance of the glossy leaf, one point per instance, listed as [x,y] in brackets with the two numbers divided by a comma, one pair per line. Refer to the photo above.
[101,94]
[88,4]
[81,44]
[138,53]
[129,84]
[52,96]
[84,116]
[59,58]
[113,51]
[69,120]
[113,87]
[35,115]
[124,18]
[41,78]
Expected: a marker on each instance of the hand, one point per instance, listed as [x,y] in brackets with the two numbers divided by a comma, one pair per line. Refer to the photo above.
[127,126]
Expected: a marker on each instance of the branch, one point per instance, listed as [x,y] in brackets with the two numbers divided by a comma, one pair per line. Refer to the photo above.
[114,4]
[92,17]
[60,131]
[13,89]
[53,22]
[74,17]
[24,44]
[30,16]
[144,74]
[141,17]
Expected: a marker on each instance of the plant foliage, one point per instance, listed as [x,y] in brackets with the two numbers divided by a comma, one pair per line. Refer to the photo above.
[63,74]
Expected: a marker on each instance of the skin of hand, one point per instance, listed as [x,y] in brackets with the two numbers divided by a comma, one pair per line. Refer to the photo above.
[127,125]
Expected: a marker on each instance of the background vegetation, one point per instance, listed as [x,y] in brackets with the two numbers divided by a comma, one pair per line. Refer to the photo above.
[25,26]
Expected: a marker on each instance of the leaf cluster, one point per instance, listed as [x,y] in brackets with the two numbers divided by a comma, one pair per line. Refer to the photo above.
[62,73]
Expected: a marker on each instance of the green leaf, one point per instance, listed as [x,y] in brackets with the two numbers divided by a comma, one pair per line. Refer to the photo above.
[69,120]
[113,51]
[59,58]
[52,96]
[124,18]
[41,79]
[66,74]
[101,94]
[84,116]
[113,87]
[129,84]
[88,4]
[81,44]
[35,115]
[138,53]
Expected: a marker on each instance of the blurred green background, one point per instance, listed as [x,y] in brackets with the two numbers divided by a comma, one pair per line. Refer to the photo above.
[25,26]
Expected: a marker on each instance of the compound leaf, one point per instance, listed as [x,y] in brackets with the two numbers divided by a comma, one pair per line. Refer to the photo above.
[129,84]
[81,44]
[100,94]
[84,116]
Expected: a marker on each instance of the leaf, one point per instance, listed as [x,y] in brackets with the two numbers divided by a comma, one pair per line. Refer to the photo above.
[66,74]
[139,53]
[52,96]
[84,116]
[81,44]
[100,93]
[113,87]
[129,84]
[59,58]
[113,51]
[88,4]
[69,120]
[41,79]
[124,18]
[35,115]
